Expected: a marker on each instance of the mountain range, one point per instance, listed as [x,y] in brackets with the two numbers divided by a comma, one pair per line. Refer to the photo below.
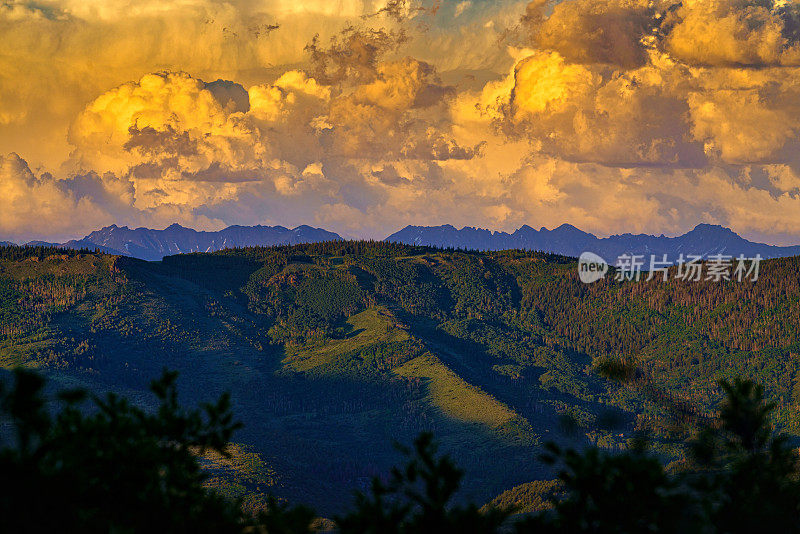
[704,240]
[153,245]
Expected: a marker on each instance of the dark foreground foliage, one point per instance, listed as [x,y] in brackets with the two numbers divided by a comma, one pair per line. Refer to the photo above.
[417,499]
[78,464]
[740,478]
[69,465]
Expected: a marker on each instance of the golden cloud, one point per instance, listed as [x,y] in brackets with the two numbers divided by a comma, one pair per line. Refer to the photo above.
[613,115]
[34,206]
[593,31]
[749,33]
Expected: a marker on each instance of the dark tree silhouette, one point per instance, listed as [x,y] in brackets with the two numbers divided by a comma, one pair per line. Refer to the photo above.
[417,499]
[751,474]
[82,463]
[109,466]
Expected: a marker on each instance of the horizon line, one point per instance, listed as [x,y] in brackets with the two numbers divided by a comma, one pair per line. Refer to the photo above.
[759,240]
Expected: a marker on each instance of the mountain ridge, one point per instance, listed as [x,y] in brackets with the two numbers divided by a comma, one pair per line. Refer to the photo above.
[704,240]
[152,245]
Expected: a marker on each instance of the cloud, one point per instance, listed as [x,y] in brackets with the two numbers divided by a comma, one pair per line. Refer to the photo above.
[352,55]
[57,55]
[201,146]
[165,118]
[613,115]
[741,126]
[398,114]
[644,88]
[749,33]
[590,113]
[176,122]
[592,31]
[35,206]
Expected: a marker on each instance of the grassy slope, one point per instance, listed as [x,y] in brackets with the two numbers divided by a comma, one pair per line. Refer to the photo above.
[463,401]
[368,328]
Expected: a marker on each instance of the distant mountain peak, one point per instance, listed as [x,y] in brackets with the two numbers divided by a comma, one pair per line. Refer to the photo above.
[569,230]
[713,229]
[567,226]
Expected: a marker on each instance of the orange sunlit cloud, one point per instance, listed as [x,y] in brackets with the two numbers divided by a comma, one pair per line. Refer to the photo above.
[365,116]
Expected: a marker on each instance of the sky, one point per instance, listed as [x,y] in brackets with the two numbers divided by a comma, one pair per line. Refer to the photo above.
[364,116]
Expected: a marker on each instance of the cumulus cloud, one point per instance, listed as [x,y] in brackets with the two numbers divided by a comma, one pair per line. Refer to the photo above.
[642,87]
[592,31]
[175,120]
[591,113]
[57,55]
[196,145]
[750,33]
[35,206]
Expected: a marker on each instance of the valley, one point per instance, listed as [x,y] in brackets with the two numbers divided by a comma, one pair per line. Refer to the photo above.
[334,351]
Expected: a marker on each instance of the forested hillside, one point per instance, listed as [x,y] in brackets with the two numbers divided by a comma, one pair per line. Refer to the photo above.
[332,351]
